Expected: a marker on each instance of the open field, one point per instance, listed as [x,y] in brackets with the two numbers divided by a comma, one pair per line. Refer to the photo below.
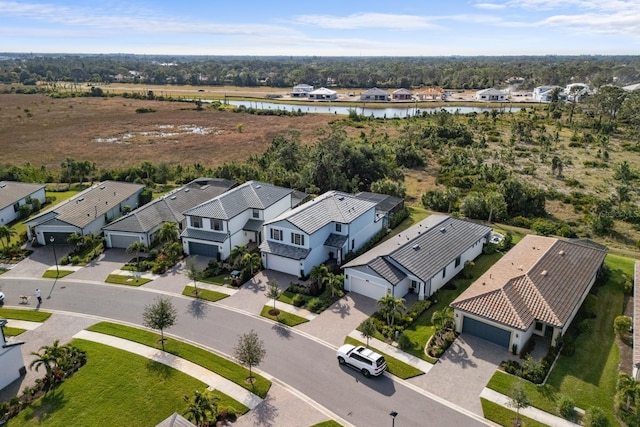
[109,132]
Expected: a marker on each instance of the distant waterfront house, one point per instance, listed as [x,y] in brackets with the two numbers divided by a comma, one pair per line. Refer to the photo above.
[374,94]
[15,194]
[301,91]
[323,94]
[235,218]
[491,94]
[535,289]
[430,94]
[327,227]
[545,93]
[575,92]
[142,224]
[636,322]
[420,259]
[10,359]
[85,213]
[401,95]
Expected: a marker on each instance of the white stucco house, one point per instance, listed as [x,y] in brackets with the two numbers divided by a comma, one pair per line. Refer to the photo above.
[420,259]
[143,224]
[11,359]
[301,91]
[15,194]
[235,218]
[545,93]
[535,289]
[323,94]
[85,213]
[329,226]
[492,94]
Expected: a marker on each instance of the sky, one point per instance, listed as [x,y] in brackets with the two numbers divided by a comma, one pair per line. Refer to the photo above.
[322,28]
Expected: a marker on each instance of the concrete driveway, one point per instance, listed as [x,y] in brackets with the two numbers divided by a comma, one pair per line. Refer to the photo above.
[463,371]
[99,268]
[37,263]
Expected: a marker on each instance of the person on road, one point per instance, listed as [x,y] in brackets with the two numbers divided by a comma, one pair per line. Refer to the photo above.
[39,296]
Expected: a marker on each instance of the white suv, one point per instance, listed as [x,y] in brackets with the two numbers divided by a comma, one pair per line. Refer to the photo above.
[361,358]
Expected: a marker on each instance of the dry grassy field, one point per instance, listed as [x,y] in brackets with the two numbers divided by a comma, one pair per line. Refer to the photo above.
[109,132]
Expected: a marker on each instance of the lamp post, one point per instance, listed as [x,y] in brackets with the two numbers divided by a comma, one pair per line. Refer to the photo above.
[393,415]
[55,259]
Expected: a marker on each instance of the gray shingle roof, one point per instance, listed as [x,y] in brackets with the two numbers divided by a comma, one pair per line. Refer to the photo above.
[250,195]
[332,206]
[374,91]
[12,192]
[82,209]
[283,250]
[211,236]
[253,225]
[335,240]
[426,248]
[169,208]
[384,202]
[540,278]
[387,270]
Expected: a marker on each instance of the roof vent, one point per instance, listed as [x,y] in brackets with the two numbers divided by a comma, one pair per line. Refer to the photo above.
[3,185]
[102,187]
[173,197]
[416,247]
[81,199]
[561,253]
[544,273]
[186,190]
[443,230]
[341,198]
[258,186]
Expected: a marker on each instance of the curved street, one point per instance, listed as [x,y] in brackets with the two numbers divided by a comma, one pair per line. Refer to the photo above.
[294,358]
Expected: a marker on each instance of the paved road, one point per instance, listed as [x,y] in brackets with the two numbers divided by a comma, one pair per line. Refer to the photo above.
[292,356]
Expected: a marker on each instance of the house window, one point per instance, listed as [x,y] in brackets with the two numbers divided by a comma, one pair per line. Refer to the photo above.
[297,239]
[16,207]
[338,228]
[276,234]
[457,262]
[353,243]
[216,224]
[538,326]
[256,213]
[444,272]
[196,222]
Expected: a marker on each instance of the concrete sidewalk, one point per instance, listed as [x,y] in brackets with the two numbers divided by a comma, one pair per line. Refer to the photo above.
[394,352]
[213,380]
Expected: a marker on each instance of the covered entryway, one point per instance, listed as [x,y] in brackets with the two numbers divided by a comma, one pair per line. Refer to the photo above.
[487,332]
[122,241]
[368,289]
[203,249]
[285,265]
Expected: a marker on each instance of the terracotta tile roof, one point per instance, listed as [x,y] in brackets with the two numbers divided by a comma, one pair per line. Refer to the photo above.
[541,278]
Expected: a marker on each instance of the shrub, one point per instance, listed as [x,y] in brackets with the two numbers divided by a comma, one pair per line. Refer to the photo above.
[315,305]
[298,300]
[404,342]
[628,287]
[566,407]
[76,260]
[595,417]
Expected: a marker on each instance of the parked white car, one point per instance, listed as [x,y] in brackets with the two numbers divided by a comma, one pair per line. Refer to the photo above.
[363,359]
[1,298]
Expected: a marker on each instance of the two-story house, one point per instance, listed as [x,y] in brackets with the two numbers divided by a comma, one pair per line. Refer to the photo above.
[234,218]
[328,227]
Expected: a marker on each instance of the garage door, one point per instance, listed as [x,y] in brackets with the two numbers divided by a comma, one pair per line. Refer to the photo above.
[285,265]
[486,332]
[59,238]
[202,249]
[120,241]
[367,289]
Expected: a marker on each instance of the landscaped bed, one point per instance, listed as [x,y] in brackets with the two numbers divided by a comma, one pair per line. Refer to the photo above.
[205,294]
[283,317]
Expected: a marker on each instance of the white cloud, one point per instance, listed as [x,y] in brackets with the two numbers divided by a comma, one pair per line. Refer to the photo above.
[489,6]
[367,20]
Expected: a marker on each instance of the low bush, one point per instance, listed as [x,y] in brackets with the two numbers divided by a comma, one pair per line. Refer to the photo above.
[298,300]
[566,408]
[404,342]
[315,305]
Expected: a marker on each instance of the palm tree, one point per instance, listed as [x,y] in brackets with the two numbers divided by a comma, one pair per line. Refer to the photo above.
[442,319]
[76,240]
[136,247]
[336,284]
[168,232]
[251,260]
[236,254]
[628,390]
[201,408]
[390,307]
[319,273]
[6,233]
[69,164]
[173,251]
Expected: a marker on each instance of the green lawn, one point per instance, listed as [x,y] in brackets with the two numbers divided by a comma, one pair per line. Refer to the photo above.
[589,376]
[30,315]
[12,332]
[284,317]
[504,416]
[220,280]
[115,388]
[329,423]
[394,366]
[205,294]
[287,297]
[211,361]
[51,274]
[119,279]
